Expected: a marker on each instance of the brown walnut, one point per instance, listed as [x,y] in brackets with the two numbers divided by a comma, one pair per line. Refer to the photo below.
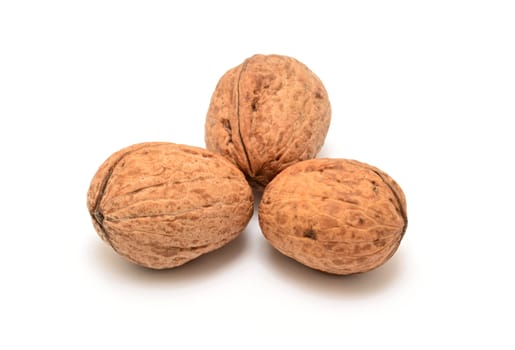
[161,205]
[267,114]
[334,215]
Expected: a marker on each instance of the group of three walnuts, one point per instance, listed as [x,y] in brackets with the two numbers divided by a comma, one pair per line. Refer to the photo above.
[161,205]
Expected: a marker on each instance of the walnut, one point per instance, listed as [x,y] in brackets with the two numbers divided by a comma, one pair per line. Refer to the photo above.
[267,114]
[334,215]
[161,205]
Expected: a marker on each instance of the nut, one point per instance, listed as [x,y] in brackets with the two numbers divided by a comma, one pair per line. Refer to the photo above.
[334,215]
[267,114]
[161,205]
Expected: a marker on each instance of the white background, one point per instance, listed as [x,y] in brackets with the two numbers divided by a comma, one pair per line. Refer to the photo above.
[424,90]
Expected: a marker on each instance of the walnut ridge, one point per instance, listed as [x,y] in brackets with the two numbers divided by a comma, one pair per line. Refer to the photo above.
[267,114]
[161,205]
[334,215]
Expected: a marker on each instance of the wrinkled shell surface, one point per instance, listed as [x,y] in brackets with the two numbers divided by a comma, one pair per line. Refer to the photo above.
[161,205]
[334,215]
[266,114]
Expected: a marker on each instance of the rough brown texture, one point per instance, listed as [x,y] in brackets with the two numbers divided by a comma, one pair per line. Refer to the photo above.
[267,114]
[334,215]
[161,205]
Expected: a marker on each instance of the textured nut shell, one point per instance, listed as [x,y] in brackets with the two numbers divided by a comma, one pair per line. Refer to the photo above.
[334,215]
[161,205]
[267,114]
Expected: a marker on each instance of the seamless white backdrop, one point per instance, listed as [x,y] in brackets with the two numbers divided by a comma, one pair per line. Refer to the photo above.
[423,90]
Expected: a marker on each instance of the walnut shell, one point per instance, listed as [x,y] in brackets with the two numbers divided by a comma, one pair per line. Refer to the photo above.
[161,205]
[334,215]
[267,114]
